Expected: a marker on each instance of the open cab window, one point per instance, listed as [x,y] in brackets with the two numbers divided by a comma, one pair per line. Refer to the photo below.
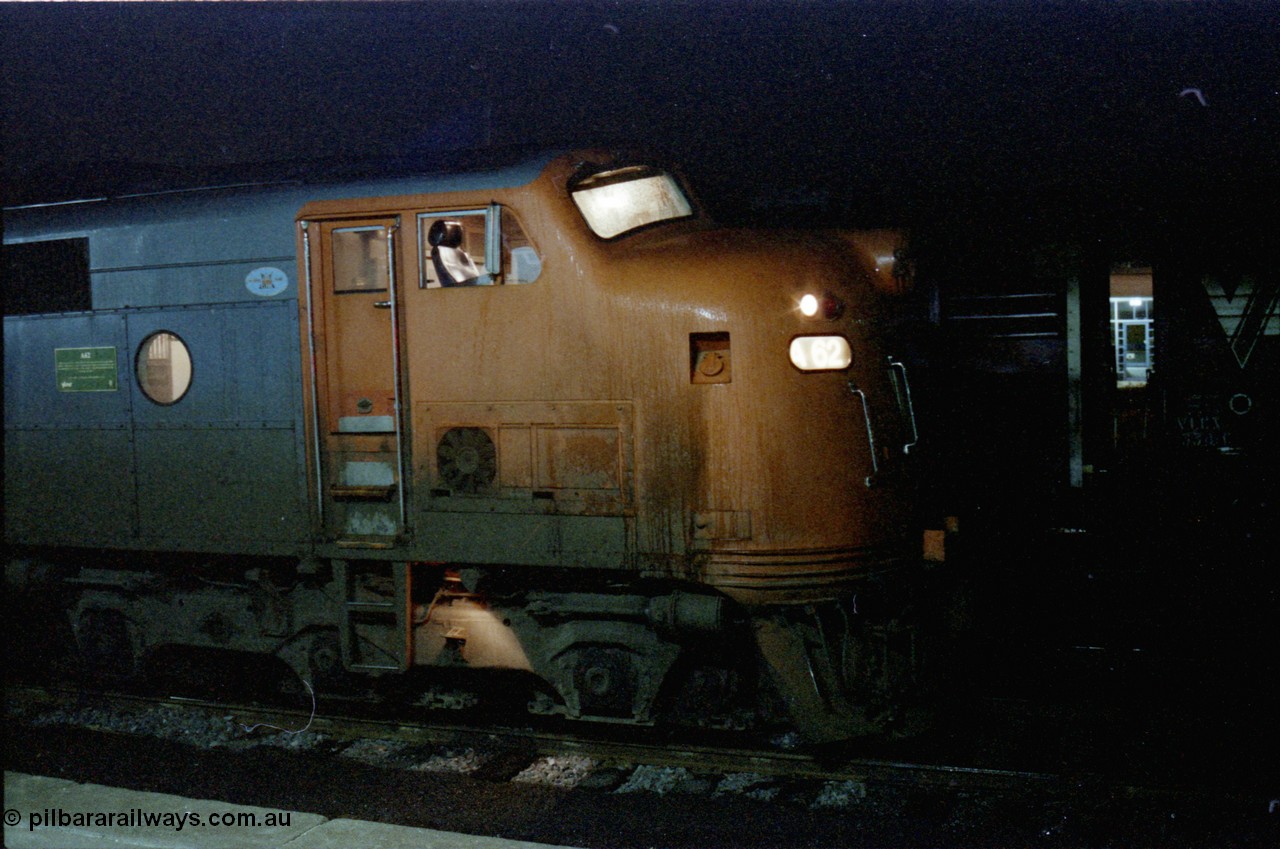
[474,247]
[623,199]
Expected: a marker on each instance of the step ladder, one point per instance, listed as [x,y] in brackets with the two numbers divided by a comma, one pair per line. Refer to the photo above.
[376,633]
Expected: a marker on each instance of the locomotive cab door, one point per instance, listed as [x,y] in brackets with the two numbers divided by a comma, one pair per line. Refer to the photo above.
[358,443]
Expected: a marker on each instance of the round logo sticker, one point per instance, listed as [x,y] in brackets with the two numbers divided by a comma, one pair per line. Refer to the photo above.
[266,281]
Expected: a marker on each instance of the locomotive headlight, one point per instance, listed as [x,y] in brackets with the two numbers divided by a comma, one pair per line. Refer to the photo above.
[821,353]
[826,304]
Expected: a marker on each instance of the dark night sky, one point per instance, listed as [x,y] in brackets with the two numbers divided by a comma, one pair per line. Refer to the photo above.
[893,108]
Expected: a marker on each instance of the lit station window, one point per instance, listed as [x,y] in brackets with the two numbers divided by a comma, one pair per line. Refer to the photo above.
[1132,324]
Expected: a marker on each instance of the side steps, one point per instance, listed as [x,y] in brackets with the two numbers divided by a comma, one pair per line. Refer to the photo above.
[375,630]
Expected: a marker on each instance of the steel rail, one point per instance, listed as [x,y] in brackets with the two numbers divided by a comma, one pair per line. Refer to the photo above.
[696,757]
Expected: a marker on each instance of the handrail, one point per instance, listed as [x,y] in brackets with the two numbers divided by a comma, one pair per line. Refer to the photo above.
[871,437]
[911,409]
[395,367]
[311,351]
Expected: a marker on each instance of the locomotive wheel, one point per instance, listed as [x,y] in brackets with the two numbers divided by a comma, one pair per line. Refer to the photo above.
[712,697]
[605,682]
[105,644]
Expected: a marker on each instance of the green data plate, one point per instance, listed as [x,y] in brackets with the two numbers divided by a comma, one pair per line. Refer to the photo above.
[86,369]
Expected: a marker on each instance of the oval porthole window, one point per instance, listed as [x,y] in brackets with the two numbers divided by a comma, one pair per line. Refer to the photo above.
[164,367]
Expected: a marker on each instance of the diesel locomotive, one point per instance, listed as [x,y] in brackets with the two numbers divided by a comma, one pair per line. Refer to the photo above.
[546,418]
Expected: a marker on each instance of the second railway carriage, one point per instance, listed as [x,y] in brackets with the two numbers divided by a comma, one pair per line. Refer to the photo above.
[545,418]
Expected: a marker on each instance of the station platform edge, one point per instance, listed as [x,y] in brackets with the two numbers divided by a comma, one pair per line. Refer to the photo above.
[53,813]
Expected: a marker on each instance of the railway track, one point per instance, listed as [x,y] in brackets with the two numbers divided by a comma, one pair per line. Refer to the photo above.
[712,781]
[531,743]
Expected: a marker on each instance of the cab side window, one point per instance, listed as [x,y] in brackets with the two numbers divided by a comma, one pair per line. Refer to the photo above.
[477,247]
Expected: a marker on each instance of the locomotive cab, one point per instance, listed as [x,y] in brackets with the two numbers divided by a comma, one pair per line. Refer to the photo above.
[617,408]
